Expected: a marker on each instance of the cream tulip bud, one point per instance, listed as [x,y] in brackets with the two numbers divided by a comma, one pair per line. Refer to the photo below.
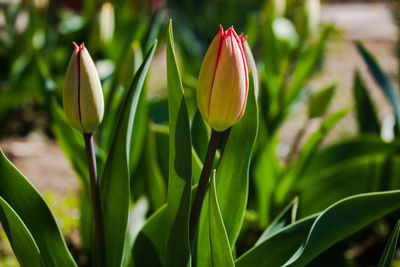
[82,94]
[223,81]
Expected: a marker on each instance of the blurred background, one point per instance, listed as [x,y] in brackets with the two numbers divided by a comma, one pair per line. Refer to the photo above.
[306,49]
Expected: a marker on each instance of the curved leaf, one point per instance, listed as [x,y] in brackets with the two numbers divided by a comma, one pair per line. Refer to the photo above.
[23,198]
[343,219]
[356,177]
[390,248]
[320,101]
[277,249]
[114,185]
[180,165]
[382,80]
[341,153]
[149,247]
[21,240]
[285,218]
[367,118]
[221,254]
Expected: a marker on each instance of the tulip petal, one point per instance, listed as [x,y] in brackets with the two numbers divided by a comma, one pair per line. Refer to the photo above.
[91,94]
[70,91]
[207,74]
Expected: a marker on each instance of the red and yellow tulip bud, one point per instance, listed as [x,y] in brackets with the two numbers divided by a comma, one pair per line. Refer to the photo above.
[223,81]
[82,94]
[251,63]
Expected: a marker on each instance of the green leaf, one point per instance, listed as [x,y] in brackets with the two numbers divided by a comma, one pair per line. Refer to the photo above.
[320,101]
[285,218]
[221,254]
[367,119]
[382,80]
[266,174]
[303,240]
[390,248]
[180,165]
[200,135]
[21,240]
[155,185]
[114,185]
[137,218]
[355,177]
[149,247]
[343,219]
[307,154]
[29,205]
[232,183]
[278,248]
[331,156]
[139,130]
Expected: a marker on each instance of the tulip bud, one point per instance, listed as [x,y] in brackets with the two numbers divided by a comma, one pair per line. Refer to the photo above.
[223,81]
[82,94]
[251,63]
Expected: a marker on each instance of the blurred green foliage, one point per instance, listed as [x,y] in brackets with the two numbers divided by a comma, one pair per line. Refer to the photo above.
[288,43]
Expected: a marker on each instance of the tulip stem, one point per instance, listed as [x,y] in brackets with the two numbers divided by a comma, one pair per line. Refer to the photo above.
[202,187]
[96,203]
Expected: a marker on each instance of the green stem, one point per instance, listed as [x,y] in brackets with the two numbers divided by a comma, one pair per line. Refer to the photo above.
[202,186]
[96,203]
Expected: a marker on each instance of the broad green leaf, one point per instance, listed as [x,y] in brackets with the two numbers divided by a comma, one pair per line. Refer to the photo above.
[114,185]
[200,135]
[232,183]
[320,101]
[367,118]
[285,218]
[303,240]
[343,219]
[21,240]
[137,218]
[149,247]
[356,177]
[382,80]
[307,154]
[197,166]
[162,142]
[155,185]
[221,254]
[180,165]
[390,248]
[341,153]
[29,205]
[278,248]
[266,174]
[139,130]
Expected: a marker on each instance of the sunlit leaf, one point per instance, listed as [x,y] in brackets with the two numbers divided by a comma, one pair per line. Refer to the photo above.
[180,165]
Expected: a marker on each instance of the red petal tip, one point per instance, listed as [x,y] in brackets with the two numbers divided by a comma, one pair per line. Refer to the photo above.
[221,30]
[75,46]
